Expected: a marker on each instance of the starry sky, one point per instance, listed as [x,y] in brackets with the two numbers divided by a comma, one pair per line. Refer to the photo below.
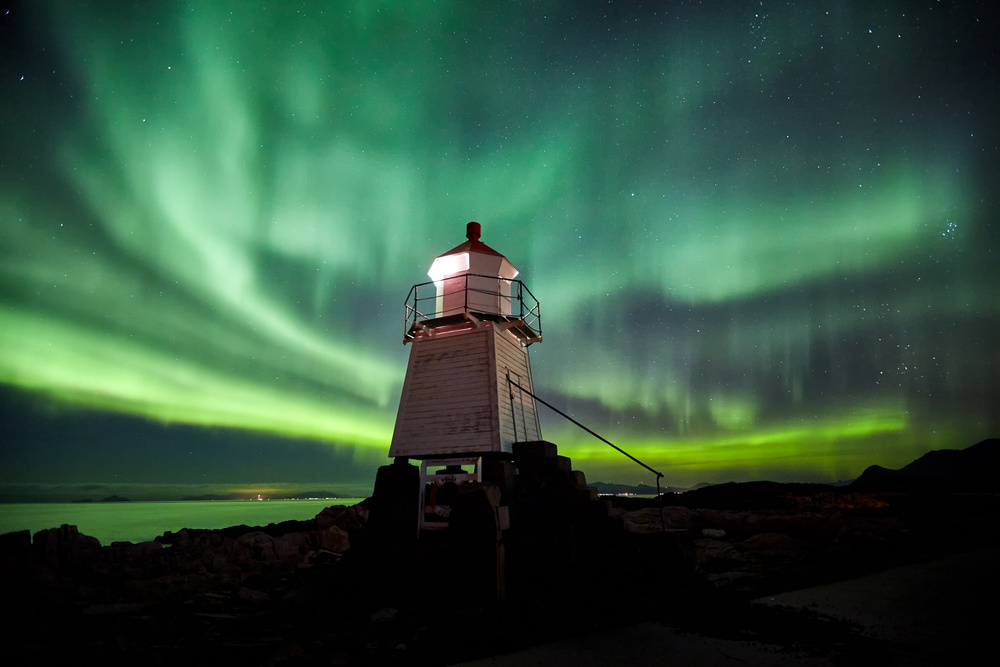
[764,235]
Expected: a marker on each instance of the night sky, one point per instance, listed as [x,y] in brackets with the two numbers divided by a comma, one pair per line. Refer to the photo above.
[764,235]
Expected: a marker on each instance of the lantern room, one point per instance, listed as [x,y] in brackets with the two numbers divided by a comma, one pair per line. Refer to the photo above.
[472,277]
[470,284]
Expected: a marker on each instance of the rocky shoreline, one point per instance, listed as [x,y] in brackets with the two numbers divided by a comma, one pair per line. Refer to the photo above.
[332,591]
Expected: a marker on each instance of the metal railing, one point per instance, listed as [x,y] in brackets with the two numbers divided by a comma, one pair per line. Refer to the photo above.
[490,297]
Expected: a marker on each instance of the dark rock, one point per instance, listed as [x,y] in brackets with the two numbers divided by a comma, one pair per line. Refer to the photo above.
[64,546]
[973,468]
[354,517]
[325,591]
[393,506]
[335,539]
[15,549]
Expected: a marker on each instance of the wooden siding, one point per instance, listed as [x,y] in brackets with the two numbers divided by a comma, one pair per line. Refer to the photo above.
[455,397]
[522,424]
[446,406]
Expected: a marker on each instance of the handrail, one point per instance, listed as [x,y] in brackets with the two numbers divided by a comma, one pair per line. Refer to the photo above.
[480,295]
[658,474]
[601,438]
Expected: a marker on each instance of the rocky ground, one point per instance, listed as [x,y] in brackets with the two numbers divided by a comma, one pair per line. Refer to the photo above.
[330,591]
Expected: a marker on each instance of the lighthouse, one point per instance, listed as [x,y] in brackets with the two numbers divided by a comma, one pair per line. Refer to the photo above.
[469,329]
[467,414]
[468,394]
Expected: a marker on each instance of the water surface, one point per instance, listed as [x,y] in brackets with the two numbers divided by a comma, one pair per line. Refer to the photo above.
[142,521]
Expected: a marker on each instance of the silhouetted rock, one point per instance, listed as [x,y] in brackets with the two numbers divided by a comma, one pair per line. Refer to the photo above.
[65,547]
[353,517]
[326,591]
[15,549]
[976,468]
[753,495]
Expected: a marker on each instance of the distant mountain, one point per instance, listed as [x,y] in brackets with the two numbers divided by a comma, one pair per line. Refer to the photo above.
[977,466]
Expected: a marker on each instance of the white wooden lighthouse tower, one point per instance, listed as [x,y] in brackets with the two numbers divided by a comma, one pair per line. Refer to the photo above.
[469,329]
[467,413]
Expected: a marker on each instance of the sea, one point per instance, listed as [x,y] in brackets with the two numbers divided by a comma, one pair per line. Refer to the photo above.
[143,521]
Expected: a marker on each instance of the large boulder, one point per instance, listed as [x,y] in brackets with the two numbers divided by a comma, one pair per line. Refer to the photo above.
[353,517]
[65,546]
[335,539]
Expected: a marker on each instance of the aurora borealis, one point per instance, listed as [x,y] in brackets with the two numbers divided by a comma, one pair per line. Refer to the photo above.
[763,235]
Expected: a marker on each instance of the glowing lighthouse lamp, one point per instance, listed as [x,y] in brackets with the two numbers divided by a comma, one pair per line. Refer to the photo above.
[469,329]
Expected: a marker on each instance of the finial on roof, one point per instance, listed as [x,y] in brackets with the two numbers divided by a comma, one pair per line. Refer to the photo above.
[473,231]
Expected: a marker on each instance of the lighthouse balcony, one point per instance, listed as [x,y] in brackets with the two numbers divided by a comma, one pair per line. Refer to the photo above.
[464,301]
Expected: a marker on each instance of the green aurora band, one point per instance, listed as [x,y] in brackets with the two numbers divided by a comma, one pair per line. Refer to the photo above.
[764,238]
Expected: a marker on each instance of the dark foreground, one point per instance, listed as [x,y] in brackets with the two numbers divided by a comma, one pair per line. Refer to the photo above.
[731,572]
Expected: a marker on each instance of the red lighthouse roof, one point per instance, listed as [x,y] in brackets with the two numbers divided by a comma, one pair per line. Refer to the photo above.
[472,257]
[473,231]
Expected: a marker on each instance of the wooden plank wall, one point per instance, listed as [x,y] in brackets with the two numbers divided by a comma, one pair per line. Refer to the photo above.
[522,425]
[449,397]
[455,397]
